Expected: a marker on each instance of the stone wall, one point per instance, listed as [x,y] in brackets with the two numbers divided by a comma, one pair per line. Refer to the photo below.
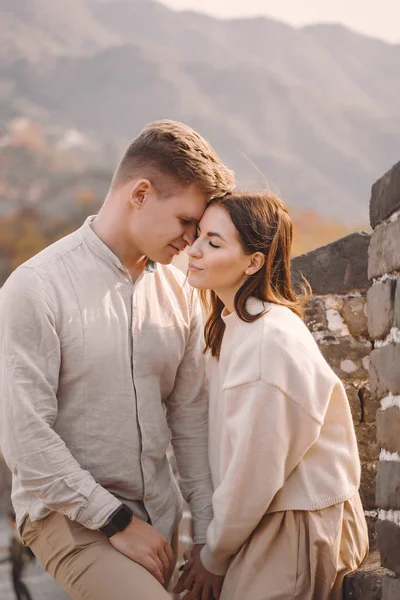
[337,318]
[5,487]
[384,329]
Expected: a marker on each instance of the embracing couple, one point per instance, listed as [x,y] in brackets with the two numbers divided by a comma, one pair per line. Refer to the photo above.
[106,359]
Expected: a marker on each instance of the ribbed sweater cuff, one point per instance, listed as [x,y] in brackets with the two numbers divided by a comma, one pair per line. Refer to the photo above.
[216,567]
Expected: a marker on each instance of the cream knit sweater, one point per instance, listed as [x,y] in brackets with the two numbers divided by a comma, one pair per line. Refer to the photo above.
[281,434]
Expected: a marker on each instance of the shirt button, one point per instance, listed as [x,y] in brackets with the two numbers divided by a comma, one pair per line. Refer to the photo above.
[147,498]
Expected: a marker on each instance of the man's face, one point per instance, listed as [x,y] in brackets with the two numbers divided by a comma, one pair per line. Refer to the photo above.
[163,227]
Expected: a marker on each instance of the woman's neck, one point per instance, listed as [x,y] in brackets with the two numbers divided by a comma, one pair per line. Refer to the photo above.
[228,300]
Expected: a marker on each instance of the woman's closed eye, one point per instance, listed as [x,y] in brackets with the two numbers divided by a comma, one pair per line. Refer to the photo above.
[198,234]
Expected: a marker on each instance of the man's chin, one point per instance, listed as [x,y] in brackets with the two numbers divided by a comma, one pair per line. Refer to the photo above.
[163,258]
[165,261]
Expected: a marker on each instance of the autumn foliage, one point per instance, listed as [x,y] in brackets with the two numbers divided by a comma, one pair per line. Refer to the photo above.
[26,232]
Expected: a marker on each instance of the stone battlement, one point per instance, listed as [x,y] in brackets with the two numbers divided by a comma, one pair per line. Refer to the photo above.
[354,315]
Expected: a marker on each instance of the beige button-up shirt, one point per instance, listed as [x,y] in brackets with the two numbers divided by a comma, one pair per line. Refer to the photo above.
[97,376]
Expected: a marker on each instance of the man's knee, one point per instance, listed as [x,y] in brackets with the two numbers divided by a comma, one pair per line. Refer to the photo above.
[86,565]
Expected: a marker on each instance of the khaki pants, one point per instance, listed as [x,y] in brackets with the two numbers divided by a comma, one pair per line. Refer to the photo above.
[85,564]
[301,555]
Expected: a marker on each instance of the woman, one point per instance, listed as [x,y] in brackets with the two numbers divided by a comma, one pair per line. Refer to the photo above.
[288,521]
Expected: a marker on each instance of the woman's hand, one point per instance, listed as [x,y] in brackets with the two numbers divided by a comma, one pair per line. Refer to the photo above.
[202,584]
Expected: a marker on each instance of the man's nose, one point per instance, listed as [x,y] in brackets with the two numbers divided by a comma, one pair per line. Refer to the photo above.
[190,235]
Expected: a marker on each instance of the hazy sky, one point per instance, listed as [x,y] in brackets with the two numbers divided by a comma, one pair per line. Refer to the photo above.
[378,18]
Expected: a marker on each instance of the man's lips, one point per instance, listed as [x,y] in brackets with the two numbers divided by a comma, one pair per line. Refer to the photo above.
[177,250]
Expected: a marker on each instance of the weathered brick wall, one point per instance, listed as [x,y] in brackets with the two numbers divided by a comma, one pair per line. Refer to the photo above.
[384,328]
[337,318]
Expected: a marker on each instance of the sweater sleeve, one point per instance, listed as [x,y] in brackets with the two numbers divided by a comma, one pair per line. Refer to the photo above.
[268,434]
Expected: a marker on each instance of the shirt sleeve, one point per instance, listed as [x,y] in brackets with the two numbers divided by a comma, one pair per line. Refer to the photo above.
[30,361]
[268,433]
[187,413]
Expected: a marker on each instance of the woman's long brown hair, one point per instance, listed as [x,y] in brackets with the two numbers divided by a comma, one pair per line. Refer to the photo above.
[263,225]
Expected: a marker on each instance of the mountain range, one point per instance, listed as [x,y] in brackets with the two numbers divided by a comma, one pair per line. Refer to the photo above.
[314,113]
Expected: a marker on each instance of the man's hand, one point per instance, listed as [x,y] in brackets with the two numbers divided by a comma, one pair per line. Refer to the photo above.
[202,584]
[148,547]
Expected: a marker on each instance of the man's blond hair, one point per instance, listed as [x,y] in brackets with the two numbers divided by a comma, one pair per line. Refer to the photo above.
[169,153]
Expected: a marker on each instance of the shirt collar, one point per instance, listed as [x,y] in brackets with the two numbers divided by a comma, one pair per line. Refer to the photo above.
[101,249]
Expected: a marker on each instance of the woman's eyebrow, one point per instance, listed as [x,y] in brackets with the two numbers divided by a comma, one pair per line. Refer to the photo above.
[212,234]
[215,234]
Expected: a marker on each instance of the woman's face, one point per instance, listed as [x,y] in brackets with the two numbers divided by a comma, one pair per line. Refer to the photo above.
[216,259]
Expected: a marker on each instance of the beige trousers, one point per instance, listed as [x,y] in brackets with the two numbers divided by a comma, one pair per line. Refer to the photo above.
[85,564]
[299,555]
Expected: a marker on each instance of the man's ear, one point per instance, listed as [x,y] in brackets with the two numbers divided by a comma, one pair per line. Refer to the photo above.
[256,262]
[139,193]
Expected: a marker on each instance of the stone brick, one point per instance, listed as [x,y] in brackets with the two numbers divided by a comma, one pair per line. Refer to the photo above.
[391,588]
[355,403]
[396,318]
[315,315]
[369,404]
[363,405]
[353,312]
[367,445]
[388,485]
[338,268]
[384,250]
[384,370]
[389,544]
[371,524]
[366,582]
[349,358]
[367,486]
[388,428]
[385,197]
[380,302]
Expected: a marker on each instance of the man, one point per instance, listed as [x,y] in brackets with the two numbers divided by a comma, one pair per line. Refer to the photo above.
[101,358]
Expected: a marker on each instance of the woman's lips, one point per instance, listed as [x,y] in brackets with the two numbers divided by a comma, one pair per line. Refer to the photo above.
[193,268]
